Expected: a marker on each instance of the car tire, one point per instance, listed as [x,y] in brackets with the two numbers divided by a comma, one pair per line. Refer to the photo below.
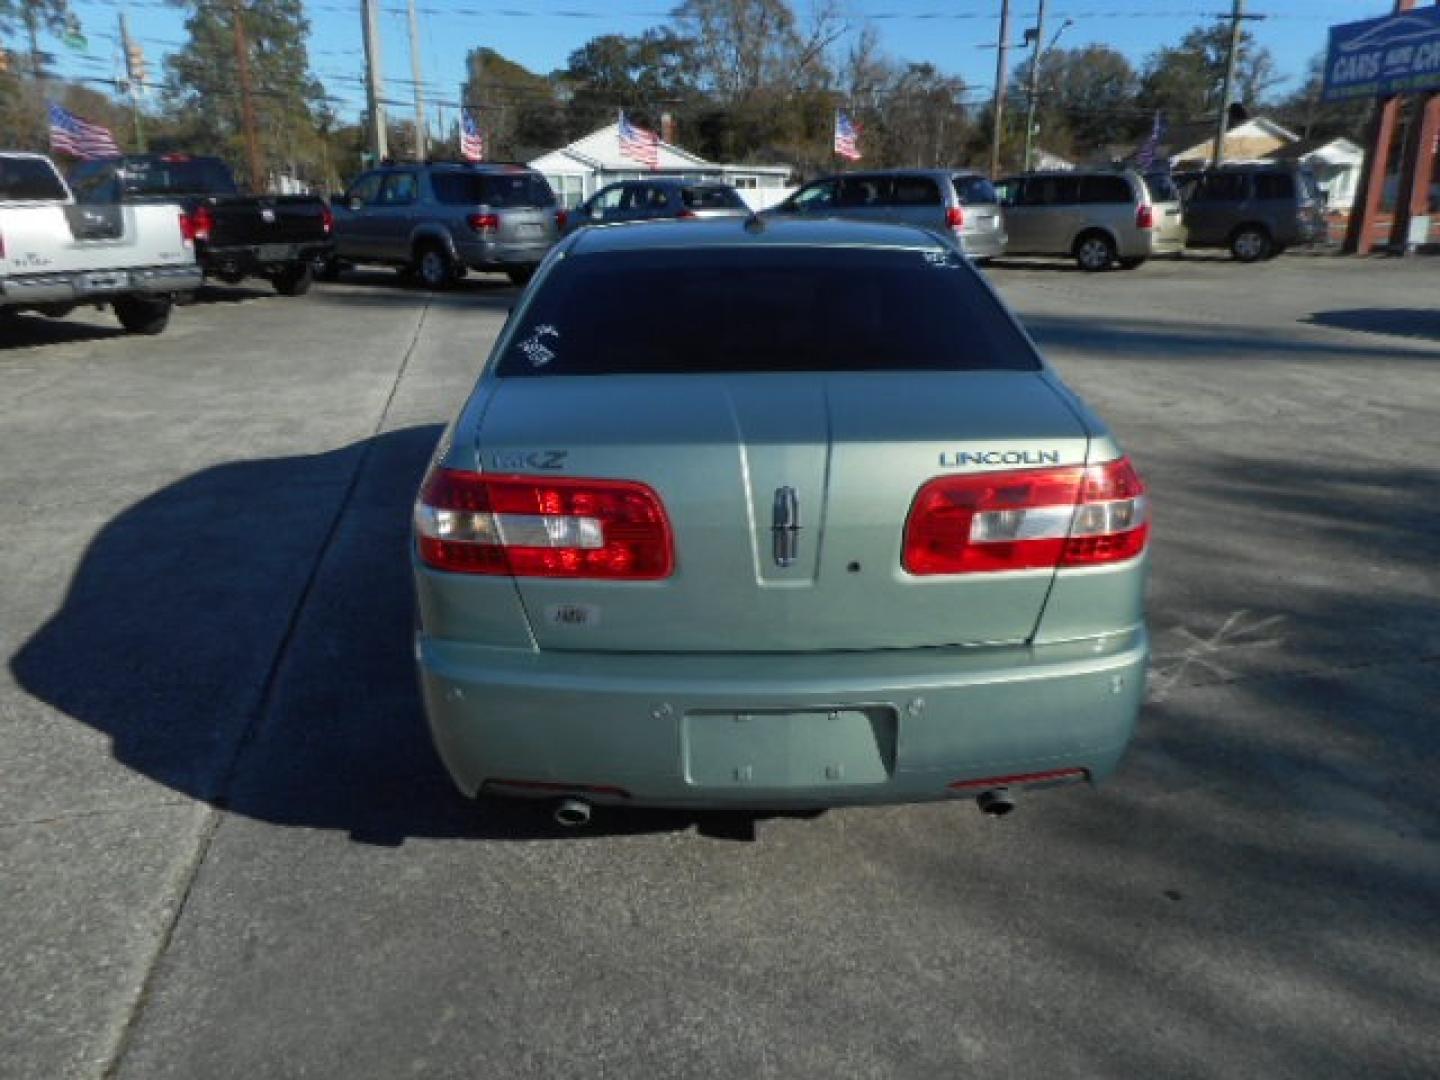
[143,314]
[294,280]
[1094,252]
[520,275]
[1131,264]
[1251,243]
[433,267]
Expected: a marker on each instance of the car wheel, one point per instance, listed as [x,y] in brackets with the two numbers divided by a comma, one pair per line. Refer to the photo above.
[520,275]
[1250,244]
[294,280]
[143,315]
[1094,252]
[432,267]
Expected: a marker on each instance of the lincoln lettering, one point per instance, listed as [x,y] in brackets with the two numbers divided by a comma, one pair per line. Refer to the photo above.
[954,459]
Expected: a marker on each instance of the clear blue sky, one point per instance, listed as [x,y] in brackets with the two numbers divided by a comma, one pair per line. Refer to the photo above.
[539,35]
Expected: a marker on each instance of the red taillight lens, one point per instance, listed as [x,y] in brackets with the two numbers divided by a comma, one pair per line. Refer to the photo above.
[984,522]
[187,228]
[562,218]
[530,526]
[955,218]
[687,213]
[483,222]
[202,220]
[1145,217]
[327,218]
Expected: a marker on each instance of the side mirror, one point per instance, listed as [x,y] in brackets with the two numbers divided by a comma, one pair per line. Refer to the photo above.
[354,202]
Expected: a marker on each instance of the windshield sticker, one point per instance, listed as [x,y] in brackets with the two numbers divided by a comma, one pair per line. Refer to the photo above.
[943,259]
[536,351]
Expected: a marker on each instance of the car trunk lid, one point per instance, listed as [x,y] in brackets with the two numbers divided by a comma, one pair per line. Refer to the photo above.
[735,457]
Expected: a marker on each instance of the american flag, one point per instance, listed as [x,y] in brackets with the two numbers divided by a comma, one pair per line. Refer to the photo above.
[79,138]
[472,144]
[638,144]
[1145,156]
[847,138]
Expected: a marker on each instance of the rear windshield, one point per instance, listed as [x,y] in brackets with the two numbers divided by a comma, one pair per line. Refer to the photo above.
[194,176]
[492,189]
[29,178]
[975,190]
[1162,187]
[712,198]
[768,309]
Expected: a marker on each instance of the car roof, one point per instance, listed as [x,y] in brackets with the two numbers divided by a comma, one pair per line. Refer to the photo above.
[752,232]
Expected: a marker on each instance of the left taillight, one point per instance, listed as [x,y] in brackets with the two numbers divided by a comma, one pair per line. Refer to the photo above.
[483,222]
[477,523]
[1145,216]
[955,218]
[1027,519]
[562,218]
[327,218]
[202,220]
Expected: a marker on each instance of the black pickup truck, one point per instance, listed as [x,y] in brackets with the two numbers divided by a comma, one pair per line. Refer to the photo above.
[278,237]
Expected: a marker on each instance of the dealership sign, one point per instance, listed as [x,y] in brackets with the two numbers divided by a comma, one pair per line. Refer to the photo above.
[1377,57]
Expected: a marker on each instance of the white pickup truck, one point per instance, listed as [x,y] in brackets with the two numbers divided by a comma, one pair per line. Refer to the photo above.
[55,255]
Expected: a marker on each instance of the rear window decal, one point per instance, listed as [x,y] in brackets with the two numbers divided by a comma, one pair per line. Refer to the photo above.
[534,347]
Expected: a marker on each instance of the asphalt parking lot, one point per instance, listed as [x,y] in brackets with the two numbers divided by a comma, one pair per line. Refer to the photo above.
[227,850]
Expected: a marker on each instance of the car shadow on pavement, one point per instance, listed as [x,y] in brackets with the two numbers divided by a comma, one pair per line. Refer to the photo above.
[1400,322]
[243,636]
[23,331]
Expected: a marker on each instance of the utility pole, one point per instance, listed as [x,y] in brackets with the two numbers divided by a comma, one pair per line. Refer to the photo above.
[1222,121]
[421,134]
[1034,84]
[374,88]
[997,109]
[247,102]
[134,77]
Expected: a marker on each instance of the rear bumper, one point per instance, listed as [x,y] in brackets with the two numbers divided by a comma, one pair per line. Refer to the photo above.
[492,254]
[986,245]
[92,286]
[714,730]
[233,259]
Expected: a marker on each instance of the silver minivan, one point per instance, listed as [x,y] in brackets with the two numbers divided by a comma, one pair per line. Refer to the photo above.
[957,204]
[1100,219]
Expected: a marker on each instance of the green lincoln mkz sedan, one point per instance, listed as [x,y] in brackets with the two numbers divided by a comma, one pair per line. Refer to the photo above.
[775,514]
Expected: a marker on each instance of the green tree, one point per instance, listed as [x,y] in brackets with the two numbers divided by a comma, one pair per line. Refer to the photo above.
[1303,111]
[1085,100]
[1185,81]
[653,72]
[519,112]
[202,90]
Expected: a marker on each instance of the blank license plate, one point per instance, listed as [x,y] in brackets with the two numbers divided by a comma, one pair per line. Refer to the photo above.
[772,749]
[531,230]
[274,252]
[107,282]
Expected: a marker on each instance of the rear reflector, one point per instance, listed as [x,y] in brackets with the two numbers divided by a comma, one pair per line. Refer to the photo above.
[1028,519]
[475,523]
[1051,776]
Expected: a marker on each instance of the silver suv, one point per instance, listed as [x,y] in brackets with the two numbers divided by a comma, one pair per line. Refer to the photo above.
[960,205]
[650,200]
[438,220]
[1098,218]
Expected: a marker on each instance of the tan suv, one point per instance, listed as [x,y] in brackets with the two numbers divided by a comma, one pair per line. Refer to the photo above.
[1098,218]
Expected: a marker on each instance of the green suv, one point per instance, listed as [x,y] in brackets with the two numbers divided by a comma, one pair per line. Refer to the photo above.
[819,528]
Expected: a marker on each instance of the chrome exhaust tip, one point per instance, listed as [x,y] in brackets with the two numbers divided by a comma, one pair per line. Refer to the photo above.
[995,803]
[572,813]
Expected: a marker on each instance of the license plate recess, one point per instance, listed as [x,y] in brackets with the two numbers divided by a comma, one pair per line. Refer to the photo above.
[844,746]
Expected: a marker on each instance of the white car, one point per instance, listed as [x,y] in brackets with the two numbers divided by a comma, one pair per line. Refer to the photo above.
[55,255]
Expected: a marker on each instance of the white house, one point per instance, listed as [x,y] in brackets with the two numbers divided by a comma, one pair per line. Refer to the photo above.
[585,166]
[1336,164]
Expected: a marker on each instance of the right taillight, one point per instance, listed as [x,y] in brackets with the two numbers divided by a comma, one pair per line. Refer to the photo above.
[1028,519]
[955,218]
[202,220]
[1145,216]
[562,527]
[187,229]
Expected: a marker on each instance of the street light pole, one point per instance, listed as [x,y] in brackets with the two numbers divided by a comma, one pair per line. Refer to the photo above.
[1034,84]
[997,109]
[374,92]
